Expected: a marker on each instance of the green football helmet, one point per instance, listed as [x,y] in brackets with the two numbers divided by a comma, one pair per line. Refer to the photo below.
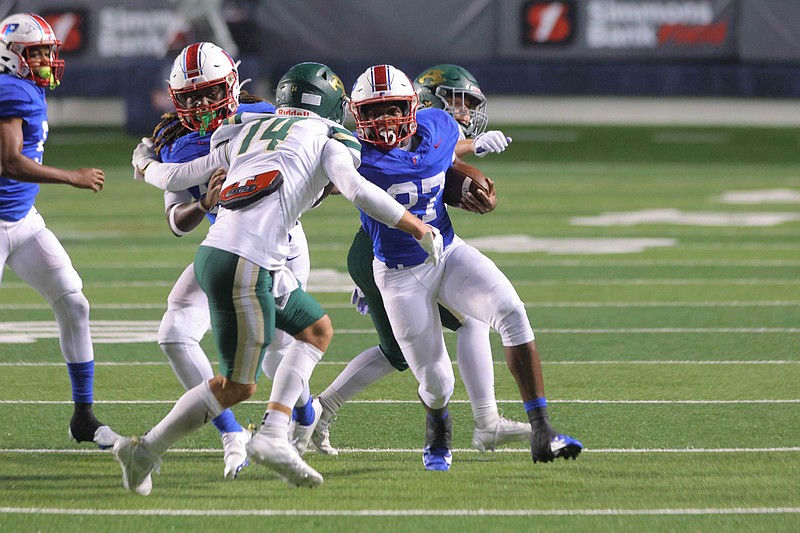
[311,87]
[455,90]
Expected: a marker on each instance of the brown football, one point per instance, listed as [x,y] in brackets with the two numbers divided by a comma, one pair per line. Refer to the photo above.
[460,179]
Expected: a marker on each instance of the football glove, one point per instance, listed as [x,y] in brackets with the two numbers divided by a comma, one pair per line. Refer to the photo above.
[360,301]
[494,141]
[143,155]
[433,243]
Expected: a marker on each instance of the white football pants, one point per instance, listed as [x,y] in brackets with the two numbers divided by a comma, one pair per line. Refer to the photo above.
[467,282]
[38,258]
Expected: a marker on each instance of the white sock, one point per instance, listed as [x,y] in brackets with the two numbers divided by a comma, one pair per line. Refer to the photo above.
[293,373]
[474,357]
[273,418]
[196,407]
[365,369]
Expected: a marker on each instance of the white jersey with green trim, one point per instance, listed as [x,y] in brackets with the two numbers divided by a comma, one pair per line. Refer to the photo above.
[308,153]
[256,144]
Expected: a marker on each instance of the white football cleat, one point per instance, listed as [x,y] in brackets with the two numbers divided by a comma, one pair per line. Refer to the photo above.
[105,437]
[300,435]
[235,452]
[321,434]
[501,432]
[270,448]
[137,465]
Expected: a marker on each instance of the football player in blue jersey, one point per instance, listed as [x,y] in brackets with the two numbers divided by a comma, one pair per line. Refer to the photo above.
[455,90]
[28,65]
[205,89]
[407,153]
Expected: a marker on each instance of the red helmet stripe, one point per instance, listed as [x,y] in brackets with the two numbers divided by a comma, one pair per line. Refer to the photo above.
[191,60]
[47,32]
[380,78]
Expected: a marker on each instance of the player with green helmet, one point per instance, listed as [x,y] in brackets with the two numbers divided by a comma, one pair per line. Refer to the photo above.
[455,89]
[312,87]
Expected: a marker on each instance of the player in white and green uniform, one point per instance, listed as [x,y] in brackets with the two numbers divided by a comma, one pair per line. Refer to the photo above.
[278,167]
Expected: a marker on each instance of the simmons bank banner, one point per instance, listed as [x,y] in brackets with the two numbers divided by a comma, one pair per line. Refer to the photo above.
[620,29]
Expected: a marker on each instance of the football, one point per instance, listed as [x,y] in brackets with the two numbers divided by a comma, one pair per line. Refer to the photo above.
[460,179]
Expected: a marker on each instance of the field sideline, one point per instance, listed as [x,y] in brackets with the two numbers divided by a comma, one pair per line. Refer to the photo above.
[660,267]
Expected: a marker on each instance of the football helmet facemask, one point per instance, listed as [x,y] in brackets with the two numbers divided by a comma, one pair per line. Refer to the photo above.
[18,34]
[383,85]
[455,90]
[204,86]
[311,89]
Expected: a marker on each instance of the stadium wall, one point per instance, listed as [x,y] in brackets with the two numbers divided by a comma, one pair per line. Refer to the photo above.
[732,49]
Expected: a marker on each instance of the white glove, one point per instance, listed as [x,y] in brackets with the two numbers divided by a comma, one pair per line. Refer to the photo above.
[143,155]
[494,141]
[360,301]
[433,243]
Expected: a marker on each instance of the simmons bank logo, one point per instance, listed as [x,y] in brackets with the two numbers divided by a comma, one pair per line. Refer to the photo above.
[548,23]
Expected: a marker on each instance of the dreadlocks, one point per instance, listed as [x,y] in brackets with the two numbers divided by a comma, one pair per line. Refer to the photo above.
[170,128]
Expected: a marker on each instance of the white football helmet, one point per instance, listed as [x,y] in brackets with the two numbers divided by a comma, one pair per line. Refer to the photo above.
[197,69]
[379,85]
[18,33]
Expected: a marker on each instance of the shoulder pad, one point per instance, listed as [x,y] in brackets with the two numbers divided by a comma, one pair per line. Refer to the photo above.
[345,137]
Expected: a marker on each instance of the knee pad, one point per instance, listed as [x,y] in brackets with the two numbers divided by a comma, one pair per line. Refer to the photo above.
[183,325]
[514,326]
[73,306]
[72,315]
[436,384]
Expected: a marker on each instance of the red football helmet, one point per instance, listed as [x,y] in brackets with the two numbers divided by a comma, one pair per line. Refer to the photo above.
[204,86]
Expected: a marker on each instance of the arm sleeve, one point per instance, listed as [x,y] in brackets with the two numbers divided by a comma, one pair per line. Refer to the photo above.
[374,201]
[181,176]
[177,197]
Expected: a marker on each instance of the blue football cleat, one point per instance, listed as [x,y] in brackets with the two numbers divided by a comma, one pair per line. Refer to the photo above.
[547,448]
[436,458]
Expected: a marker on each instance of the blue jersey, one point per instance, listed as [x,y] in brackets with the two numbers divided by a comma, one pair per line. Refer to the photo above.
[23,99]
[193,145]
[416,180]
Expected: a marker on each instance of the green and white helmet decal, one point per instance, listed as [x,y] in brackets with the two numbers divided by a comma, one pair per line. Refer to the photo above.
[455,90]
[311,87]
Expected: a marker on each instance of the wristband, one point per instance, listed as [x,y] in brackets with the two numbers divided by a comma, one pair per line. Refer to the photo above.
[173,225]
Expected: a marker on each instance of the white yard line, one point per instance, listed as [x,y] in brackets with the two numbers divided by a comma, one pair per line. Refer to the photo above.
[576,305]
[499,363]
[199,451]
[404,512]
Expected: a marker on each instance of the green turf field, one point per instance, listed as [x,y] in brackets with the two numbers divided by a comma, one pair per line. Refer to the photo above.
[661,270]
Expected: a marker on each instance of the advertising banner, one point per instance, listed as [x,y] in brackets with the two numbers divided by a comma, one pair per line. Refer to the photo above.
[619,29]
